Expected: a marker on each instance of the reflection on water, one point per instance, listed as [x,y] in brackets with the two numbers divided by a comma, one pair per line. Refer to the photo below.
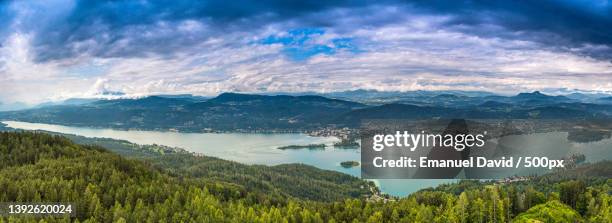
[261,148]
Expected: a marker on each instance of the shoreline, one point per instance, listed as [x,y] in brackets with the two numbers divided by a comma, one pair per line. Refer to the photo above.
[173,130]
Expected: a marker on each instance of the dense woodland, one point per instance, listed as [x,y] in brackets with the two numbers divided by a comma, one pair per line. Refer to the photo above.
[281,181]
[110,188]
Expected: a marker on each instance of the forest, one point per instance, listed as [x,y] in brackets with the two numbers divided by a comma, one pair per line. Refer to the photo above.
[175,187]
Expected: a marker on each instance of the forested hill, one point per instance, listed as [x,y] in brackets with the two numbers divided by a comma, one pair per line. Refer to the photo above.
[228,111]
[281,181]
[278,182]
[109,188]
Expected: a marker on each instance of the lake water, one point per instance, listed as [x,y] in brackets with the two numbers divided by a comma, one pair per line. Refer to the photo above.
[262,148]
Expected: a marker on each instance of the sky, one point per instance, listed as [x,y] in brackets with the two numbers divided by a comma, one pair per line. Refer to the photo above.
[58,49]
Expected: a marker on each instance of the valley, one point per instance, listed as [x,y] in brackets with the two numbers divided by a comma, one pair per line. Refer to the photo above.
[189,188]
[209,126]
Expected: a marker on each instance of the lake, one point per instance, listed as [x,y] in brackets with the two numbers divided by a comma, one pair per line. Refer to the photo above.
[262,148]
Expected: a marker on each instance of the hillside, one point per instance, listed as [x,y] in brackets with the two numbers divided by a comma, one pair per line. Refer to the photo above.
[248,113]
[106,187]
[281,182]
[228,111]
[552,211]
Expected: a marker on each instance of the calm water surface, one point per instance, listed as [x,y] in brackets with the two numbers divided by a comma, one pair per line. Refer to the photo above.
[262,148]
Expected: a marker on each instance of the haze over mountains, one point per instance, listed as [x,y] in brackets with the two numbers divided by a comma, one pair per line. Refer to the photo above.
[249,112]
[12,106]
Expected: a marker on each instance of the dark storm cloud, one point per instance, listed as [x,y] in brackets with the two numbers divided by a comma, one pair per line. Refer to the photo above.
[581,21]
[106,23]
[562,24]
[583,27]
[132,28]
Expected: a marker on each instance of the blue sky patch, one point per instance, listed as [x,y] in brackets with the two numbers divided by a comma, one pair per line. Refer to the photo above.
[302,44]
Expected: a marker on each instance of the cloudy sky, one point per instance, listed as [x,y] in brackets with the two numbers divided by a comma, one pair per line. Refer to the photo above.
[57,49]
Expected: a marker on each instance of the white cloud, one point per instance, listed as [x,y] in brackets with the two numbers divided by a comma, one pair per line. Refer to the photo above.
[416,54]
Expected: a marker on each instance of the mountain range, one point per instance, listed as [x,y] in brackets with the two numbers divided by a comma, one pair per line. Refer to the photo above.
[251,112]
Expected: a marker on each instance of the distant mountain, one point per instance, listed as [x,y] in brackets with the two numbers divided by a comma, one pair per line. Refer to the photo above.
[250,99]
[487,110]
[228,111]
[458,99]
[605,100]
[81,101]
[190,97]
[419,93]
[419,97]
[13,106]
[586,95]
[533,95]
[582,96]
[536,96]
[533,99]
[244,111]
[70,101]
[150,102]
[248,112]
